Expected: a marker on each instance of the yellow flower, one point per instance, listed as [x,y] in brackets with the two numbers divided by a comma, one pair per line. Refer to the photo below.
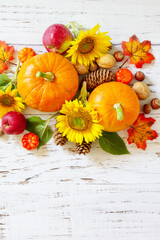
[9,101]
[79,122]
[88,46]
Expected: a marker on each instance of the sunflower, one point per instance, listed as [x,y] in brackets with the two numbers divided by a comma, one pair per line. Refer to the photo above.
[88,46]
[79,122]
[9,101]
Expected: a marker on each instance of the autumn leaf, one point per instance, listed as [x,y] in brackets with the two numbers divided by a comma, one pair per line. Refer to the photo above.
[140,131]
[6,54]
[138,52]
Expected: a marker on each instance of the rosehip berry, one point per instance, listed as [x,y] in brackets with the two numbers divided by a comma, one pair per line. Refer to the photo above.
[124,75]
[30,141]
[140,76]
[118,56]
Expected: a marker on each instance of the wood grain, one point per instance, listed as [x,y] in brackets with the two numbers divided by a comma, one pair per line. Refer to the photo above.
[54,193]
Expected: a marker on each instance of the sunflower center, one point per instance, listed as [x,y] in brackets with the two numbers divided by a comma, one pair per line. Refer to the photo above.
[79,120]
[86,45]
[7,100]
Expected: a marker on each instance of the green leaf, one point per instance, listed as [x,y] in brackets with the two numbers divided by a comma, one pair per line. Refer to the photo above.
[39,127]
[4,80]
[44,133]
[32,122]
[112,143]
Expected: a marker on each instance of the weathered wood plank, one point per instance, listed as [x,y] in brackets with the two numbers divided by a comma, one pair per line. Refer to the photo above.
[54,193]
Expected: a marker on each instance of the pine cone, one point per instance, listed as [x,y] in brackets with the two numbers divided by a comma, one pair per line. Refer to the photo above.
[58,138]
[98,77]
[83,148]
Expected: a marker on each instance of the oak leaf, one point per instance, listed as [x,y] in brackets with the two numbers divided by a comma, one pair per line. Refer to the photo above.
[140,131]
[138,52]
[6,54]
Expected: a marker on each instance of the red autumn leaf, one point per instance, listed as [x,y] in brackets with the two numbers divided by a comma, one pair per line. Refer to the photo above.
[138,52]
[140,131]
[6,54]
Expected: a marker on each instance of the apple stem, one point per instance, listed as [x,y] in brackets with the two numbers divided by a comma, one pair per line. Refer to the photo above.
[48,76]
[119,110]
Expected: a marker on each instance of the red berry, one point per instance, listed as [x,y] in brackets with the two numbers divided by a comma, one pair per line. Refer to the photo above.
[124,75]
[30,141]
[118,56]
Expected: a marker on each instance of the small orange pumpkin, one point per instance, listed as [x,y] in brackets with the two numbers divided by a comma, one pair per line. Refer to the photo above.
[25,54]
[117,105]
[45,81]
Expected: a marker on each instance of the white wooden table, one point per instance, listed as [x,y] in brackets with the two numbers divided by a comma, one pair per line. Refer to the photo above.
[54,193]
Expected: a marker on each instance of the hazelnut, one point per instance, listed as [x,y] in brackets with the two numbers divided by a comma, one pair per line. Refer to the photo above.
[118,56]
[140,76]
[155,103]
[81,69]
[106,61]
[94,67]
[142,90]
[1,132]
[147,108]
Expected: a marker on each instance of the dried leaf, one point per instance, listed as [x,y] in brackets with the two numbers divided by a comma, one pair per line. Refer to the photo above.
[138,52]
[6,54]
[140,131]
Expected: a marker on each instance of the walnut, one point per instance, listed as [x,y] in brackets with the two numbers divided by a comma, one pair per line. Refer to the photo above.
[106,61]
[142,90]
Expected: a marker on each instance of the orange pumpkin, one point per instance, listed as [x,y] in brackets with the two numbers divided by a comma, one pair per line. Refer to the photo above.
[117,105]
[45,81]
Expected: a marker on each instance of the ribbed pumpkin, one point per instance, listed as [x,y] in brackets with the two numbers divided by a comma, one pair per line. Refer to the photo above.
[117,105]
[45,81]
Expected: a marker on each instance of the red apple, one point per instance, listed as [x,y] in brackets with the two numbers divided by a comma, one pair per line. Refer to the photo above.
[57,38]
[13,123]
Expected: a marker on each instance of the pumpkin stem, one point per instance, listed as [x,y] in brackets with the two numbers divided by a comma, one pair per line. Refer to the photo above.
[48,76]
[119,110]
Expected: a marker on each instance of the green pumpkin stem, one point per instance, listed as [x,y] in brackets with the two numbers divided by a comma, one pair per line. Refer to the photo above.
[119,111]
[48,76]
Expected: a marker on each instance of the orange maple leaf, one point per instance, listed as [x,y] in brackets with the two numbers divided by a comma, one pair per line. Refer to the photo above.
[138,52]
[6,54]
[140,131]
